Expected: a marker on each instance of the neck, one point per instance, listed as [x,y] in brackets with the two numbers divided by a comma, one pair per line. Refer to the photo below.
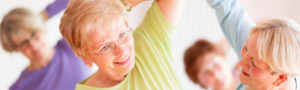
[99,79]
[43,61]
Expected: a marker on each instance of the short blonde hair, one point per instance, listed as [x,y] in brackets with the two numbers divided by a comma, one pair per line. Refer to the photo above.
[15,22]
[278,45]
[84,16]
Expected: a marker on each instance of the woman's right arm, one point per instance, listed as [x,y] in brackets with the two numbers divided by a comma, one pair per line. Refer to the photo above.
[234,21]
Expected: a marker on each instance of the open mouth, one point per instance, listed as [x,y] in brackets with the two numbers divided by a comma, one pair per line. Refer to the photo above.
[246,74]
[123,62]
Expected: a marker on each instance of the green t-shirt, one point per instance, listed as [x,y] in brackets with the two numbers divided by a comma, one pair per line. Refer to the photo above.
[153,61]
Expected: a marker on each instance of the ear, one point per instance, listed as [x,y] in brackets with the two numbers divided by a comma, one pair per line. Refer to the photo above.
[281,79]
[87,62]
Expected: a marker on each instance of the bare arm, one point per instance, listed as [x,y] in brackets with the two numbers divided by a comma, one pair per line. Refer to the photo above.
[171,9]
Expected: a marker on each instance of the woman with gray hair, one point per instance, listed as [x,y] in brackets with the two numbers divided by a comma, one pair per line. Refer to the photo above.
[49,68]
[269,52]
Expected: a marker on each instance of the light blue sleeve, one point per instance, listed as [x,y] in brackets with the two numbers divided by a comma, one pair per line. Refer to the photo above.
[234,21]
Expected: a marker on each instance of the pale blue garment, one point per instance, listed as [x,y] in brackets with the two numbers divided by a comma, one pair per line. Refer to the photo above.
[236,25]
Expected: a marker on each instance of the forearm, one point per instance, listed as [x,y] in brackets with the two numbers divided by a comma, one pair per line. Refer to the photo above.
[171,9]
[55,7]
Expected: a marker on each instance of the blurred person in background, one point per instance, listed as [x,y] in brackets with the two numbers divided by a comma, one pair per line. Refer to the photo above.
[206,65]
[50,68]
[269,51]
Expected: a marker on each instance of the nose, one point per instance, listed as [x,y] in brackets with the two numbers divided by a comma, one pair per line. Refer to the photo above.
[244,63]
[212,76]
[33,44]
[213,73]
[120,50]
[244,60]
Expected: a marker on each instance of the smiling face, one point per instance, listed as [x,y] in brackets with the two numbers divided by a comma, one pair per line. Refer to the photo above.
[255,72]
[112,50]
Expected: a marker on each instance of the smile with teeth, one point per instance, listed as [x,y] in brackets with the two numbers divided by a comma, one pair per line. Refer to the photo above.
[124,61]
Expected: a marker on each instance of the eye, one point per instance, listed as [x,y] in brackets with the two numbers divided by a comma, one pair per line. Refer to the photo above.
[246,49]
[122,35]
[253,62]
[206,72]
[106,48]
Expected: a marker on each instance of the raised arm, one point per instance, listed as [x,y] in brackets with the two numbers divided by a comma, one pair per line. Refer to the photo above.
[234,21]
[171,9]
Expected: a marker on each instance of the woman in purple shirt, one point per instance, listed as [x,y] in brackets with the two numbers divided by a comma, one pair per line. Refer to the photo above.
[50,68]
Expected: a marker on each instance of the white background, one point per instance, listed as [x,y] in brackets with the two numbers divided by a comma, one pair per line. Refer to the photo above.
[198,21]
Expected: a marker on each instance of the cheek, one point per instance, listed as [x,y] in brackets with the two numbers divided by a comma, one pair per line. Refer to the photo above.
[130,41]
[131,44]
[28,53]
[40,39]
[206,81]
[222,70]
[258,74]
[104,61]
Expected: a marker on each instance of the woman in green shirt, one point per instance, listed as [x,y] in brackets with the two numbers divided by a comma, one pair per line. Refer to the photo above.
[98,32]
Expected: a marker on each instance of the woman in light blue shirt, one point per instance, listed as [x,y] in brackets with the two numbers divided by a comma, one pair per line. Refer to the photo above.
[269,52]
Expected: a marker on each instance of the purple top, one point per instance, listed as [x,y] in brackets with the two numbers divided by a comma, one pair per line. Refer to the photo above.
[62,73]
[55,7]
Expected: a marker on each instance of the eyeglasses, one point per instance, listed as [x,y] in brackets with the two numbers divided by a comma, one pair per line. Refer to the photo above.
[110,47]
[25,43]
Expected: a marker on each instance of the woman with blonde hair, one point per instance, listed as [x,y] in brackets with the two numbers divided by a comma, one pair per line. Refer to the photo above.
[269,52]
[98,32]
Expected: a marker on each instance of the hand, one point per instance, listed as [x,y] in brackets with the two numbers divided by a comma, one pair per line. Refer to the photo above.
[131,3]
[44,15]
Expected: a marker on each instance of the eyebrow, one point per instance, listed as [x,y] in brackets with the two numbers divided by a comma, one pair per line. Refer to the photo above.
[99,45]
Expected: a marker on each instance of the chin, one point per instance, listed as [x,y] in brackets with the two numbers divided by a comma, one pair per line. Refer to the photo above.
[132,61]
[126,69]
[243,79]
[130,66]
